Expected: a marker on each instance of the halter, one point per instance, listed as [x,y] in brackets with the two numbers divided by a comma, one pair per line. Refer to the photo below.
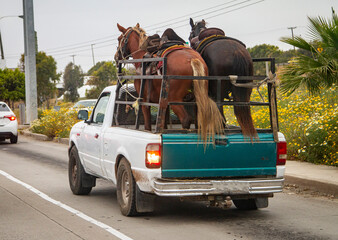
[125,38]
[193,29]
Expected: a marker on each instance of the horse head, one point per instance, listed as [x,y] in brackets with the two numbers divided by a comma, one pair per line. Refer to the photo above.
[129,41]
[196,28]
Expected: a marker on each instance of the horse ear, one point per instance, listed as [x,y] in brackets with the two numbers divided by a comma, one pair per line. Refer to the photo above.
[203,21]
[192,22]
[137,25]
[121,29]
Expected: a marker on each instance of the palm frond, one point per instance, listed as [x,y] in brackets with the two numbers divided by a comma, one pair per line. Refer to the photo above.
[320,69]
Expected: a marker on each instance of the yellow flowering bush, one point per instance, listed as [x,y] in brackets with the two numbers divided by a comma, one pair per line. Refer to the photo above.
[309,123]
[55,123]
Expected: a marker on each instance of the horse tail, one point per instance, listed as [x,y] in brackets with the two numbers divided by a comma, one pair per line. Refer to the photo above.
[240,94]
[244,118]
[210,121]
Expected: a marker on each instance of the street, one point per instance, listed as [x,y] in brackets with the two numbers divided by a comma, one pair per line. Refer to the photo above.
[36,203]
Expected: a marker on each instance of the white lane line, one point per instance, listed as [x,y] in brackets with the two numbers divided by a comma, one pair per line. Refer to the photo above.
[68,208]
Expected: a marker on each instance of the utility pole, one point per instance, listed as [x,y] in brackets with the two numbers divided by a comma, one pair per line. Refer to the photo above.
[2,60]
[93,54]
[291,28]
[73,58]
[1,48]
[30,62]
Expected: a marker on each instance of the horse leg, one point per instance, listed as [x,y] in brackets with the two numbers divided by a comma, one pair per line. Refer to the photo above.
[182,114]
[147,117]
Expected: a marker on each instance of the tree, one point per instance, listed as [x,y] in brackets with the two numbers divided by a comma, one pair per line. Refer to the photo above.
[46,76]
[262,51]
[318,69]
[12,85]
[104,76]
[72,80]
[95,68]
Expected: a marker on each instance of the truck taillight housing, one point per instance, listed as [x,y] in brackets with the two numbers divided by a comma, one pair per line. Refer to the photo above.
[153,155]
[281,153]
[11,117]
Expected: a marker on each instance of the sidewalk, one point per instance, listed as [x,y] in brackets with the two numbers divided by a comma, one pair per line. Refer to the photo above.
[314,177]
[319,178]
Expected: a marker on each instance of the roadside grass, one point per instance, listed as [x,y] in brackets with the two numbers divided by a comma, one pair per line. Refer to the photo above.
[309,123]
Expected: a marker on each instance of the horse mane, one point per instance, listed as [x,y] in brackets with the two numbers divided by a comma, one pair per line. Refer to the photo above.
[141,32]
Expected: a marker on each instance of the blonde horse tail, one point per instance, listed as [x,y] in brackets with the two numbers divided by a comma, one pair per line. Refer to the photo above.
[210,121]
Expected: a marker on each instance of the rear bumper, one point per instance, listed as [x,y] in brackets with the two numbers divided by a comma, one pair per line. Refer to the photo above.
[6,134]
[185,188]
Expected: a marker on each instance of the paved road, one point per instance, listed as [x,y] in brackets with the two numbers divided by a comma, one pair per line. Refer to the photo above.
[30,169]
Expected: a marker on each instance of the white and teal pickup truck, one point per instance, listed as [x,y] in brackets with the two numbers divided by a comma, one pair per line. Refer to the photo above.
[144,164]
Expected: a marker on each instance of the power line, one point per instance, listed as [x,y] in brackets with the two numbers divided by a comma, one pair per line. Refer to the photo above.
[83,44]
[71,50]
[190,14]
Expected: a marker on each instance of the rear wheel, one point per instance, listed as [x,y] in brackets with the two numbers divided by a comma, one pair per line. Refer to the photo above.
[126,189]
[14,139]
[245,204]
[76,174]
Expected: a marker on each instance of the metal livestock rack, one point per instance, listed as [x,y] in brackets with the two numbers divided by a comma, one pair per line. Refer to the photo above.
[163,105]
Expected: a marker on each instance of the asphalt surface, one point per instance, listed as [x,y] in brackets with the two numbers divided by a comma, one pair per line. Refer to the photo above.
[25,214]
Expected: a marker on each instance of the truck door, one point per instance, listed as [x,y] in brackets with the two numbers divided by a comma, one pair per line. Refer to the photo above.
[92,136]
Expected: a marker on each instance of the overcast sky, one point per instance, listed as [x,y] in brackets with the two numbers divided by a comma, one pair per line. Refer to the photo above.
[70,27]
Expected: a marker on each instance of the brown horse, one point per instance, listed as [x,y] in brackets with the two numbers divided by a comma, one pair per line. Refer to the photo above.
[185,62]
[227,56]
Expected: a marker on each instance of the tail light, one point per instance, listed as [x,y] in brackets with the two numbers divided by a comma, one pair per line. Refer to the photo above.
[153,155]
[281,153]
[11,117]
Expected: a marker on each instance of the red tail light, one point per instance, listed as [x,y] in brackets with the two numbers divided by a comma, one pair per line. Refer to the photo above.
[153,155]
[281,153]
[11,117]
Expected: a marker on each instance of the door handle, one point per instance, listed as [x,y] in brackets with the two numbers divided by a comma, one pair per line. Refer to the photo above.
[96,135]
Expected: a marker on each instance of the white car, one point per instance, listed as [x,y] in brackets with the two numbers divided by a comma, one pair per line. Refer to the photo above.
[8,124]
[87,104]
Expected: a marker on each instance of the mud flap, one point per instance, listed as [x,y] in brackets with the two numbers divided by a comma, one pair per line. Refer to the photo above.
[262,202]
[88,180]
[144,201]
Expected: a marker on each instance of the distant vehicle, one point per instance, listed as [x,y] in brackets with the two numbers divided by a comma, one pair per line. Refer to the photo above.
[87,104]
[8,124]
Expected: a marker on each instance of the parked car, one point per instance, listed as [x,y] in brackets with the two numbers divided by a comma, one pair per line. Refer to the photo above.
[8,124]
[87,104]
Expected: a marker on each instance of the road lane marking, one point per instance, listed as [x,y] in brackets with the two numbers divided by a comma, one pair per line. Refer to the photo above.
[68,208]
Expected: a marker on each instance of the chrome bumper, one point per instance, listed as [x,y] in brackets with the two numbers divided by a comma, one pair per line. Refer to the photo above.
[183,188]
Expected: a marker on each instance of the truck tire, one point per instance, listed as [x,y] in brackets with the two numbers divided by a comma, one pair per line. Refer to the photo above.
[76,174]
[245,204]
[126,189]
[14,139]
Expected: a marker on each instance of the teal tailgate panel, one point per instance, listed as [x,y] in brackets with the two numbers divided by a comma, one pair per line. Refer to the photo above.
[183,155]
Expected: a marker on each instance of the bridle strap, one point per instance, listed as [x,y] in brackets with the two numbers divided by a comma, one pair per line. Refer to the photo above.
[125,40]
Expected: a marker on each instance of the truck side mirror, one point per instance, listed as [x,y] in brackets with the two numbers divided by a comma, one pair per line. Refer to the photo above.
[82,115]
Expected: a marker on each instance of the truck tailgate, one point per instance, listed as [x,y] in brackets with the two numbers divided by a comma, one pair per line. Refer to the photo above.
[183,156]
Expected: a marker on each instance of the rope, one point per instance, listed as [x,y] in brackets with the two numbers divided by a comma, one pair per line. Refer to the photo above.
[269,79]
[137,99]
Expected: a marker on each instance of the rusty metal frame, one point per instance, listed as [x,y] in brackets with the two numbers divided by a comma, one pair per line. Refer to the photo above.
[164,105]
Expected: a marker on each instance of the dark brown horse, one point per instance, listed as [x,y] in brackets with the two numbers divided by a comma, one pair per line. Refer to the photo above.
[227,56]
[185,62]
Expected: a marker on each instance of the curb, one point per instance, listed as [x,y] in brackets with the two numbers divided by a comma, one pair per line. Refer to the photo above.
[36,136]
[61,140]
[322,187]
[42,137]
